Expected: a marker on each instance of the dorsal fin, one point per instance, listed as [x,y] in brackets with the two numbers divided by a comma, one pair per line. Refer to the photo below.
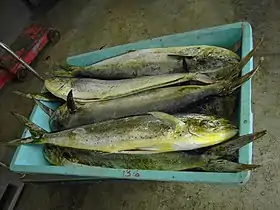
[71,103]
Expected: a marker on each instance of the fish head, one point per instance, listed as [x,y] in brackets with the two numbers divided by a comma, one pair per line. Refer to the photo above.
[60,87]
[203,131]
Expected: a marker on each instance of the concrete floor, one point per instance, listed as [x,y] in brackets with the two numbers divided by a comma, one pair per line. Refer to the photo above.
[86,26]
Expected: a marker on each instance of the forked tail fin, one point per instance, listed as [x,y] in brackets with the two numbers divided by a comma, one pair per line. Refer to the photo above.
[35,130]
[233,83]
[237,68]
[44,96]
[234,144]
[220,165]
[45,108]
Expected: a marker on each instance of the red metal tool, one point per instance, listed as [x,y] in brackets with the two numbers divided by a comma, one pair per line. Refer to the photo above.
[14,64]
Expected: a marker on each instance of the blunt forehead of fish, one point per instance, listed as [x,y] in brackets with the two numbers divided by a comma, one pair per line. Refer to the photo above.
[204,119]
[210,124]
[213,133]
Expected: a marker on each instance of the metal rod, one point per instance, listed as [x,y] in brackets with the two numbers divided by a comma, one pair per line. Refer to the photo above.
[5,47]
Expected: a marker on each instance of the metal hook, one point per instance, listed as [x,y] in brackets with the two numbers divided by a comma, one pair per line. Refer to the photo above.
[5,47]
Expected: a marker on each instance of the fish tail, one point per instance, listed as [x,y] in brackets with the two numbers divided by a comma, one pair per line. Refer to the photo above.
[236,69]
[18,142]
[232,83]
[45,108]
[34,129]
[246,167]
[26,95]
[232,145]
[44,96]
[246,59]
[220,165]
[236,46]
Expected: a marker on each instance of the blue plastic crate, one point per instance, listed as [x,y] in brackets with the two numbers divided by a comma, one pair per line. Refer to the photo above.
[29,158]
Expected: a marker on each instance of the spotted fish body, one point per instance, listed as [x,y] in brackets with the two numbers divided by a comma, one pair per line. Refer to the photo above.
[157,132]
[159,161]
[168,99]
[147,62]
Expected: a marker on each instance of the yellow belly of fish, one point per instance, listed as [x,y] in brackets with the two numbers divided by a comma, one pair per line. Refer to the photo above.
[188,142]
[166,143]
[150,144]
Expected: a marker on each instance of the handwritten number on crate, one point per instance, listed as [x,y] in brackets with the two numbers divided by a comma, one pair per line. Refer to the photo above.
[130,173]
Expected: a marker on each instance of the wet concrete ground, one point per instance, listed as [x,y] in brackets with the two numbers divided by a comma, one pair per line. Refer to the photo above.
[86,26]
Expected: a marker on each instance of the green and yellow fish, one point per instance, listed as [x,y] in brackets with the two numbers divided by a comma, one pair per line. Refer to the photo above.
[152,133]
